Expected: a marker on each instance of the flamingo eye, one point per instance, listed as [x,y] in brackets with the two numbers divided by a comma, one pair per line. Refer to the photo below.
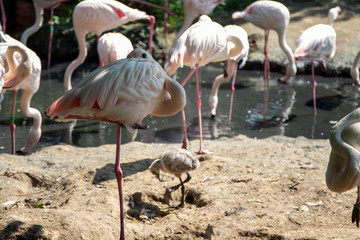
[144,55]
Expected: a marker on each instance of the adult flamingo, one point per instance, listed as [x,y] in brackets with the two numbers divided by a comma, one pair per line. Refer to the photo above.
[318,42]
[113,46]
[23,74]
[39,6]
[192,10]
[271,15]
[196,47]
[354,71]
[122,92]
[230,69]
[98,16]
[343,170]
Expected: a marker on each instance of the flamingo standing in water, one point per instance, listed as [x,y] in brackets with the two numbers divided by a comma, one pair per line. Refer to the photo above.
[192,10]
[23,74]
[113,46]
[230,69]
[271,15]
[123,92]
[343,170]
[98,16]
[196,47]
[318,42]
[39,6]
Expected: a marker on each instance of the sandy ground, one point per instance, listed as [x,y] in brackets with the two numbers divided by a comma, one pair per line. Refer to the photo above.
[272,188]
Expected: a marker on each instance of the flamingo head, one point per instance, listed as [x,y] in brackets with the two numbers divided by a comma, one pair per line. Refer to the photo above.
[333,14]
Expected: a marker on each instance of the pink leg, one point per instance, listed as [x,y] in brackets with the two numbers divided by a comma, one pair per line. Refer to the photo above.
[266,63]
[187,77]
[51,35]
[232,91]
[198,102]
[166,32]
[119,176]
[152,23]
[12,123]
[314,86]
[186,139]
[266,99]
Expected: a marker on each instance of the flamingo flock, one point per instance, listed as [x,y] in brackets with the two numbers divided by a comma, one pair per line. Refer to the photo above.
[130,84]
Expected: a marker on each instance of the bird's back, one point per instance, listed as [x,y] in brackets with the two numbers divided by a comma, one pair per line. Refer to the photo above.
[241,34]
[318,41]
[178,161]
[266,15]
[113,46]
[199,44]
[124,91]
[46,3]
[101,15]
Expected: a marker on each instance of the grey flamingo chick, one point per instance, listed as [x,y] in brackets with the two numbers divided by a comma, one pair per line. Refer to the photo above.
[175,162]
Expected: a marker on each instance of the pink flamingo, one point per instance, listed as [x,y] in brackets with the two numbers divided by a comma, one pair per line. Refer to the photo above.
[354,71]
[230,69]
[271,15]
[196,47]
[192,10]
[113,46]
[39,6]
[23,74]
[123,92]
[98,16]
[343,172]
[318,42]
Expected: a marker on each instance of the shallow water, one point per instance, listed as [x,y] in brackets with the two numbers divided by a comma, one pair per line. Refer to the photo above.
[288,112]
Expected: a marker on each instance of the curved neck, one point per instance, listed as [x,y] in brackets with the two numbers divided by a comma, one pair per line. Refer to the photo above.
[234,46]
[29,111]
[39,12]
[17,71]
[238,46]
[81,38]
[356,60]
[229,70]
[291,67]
[174,101]
[342,169]
[331,19]
[35,131]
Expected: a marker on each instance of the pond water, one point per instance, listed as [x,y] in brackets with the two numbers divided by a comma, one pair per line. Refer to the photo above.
[288,112]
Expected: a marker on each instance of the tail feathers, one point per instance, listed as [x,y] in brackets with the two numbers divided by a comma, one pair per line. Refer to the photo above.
[61,105]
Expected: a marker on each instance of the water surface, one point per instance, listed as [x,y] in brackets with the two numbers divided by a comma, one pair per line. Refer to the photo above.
[288,111]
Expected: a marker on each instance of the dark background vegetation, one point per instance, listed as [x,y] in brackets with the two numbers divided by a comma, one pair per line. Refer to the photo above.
[20,15]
